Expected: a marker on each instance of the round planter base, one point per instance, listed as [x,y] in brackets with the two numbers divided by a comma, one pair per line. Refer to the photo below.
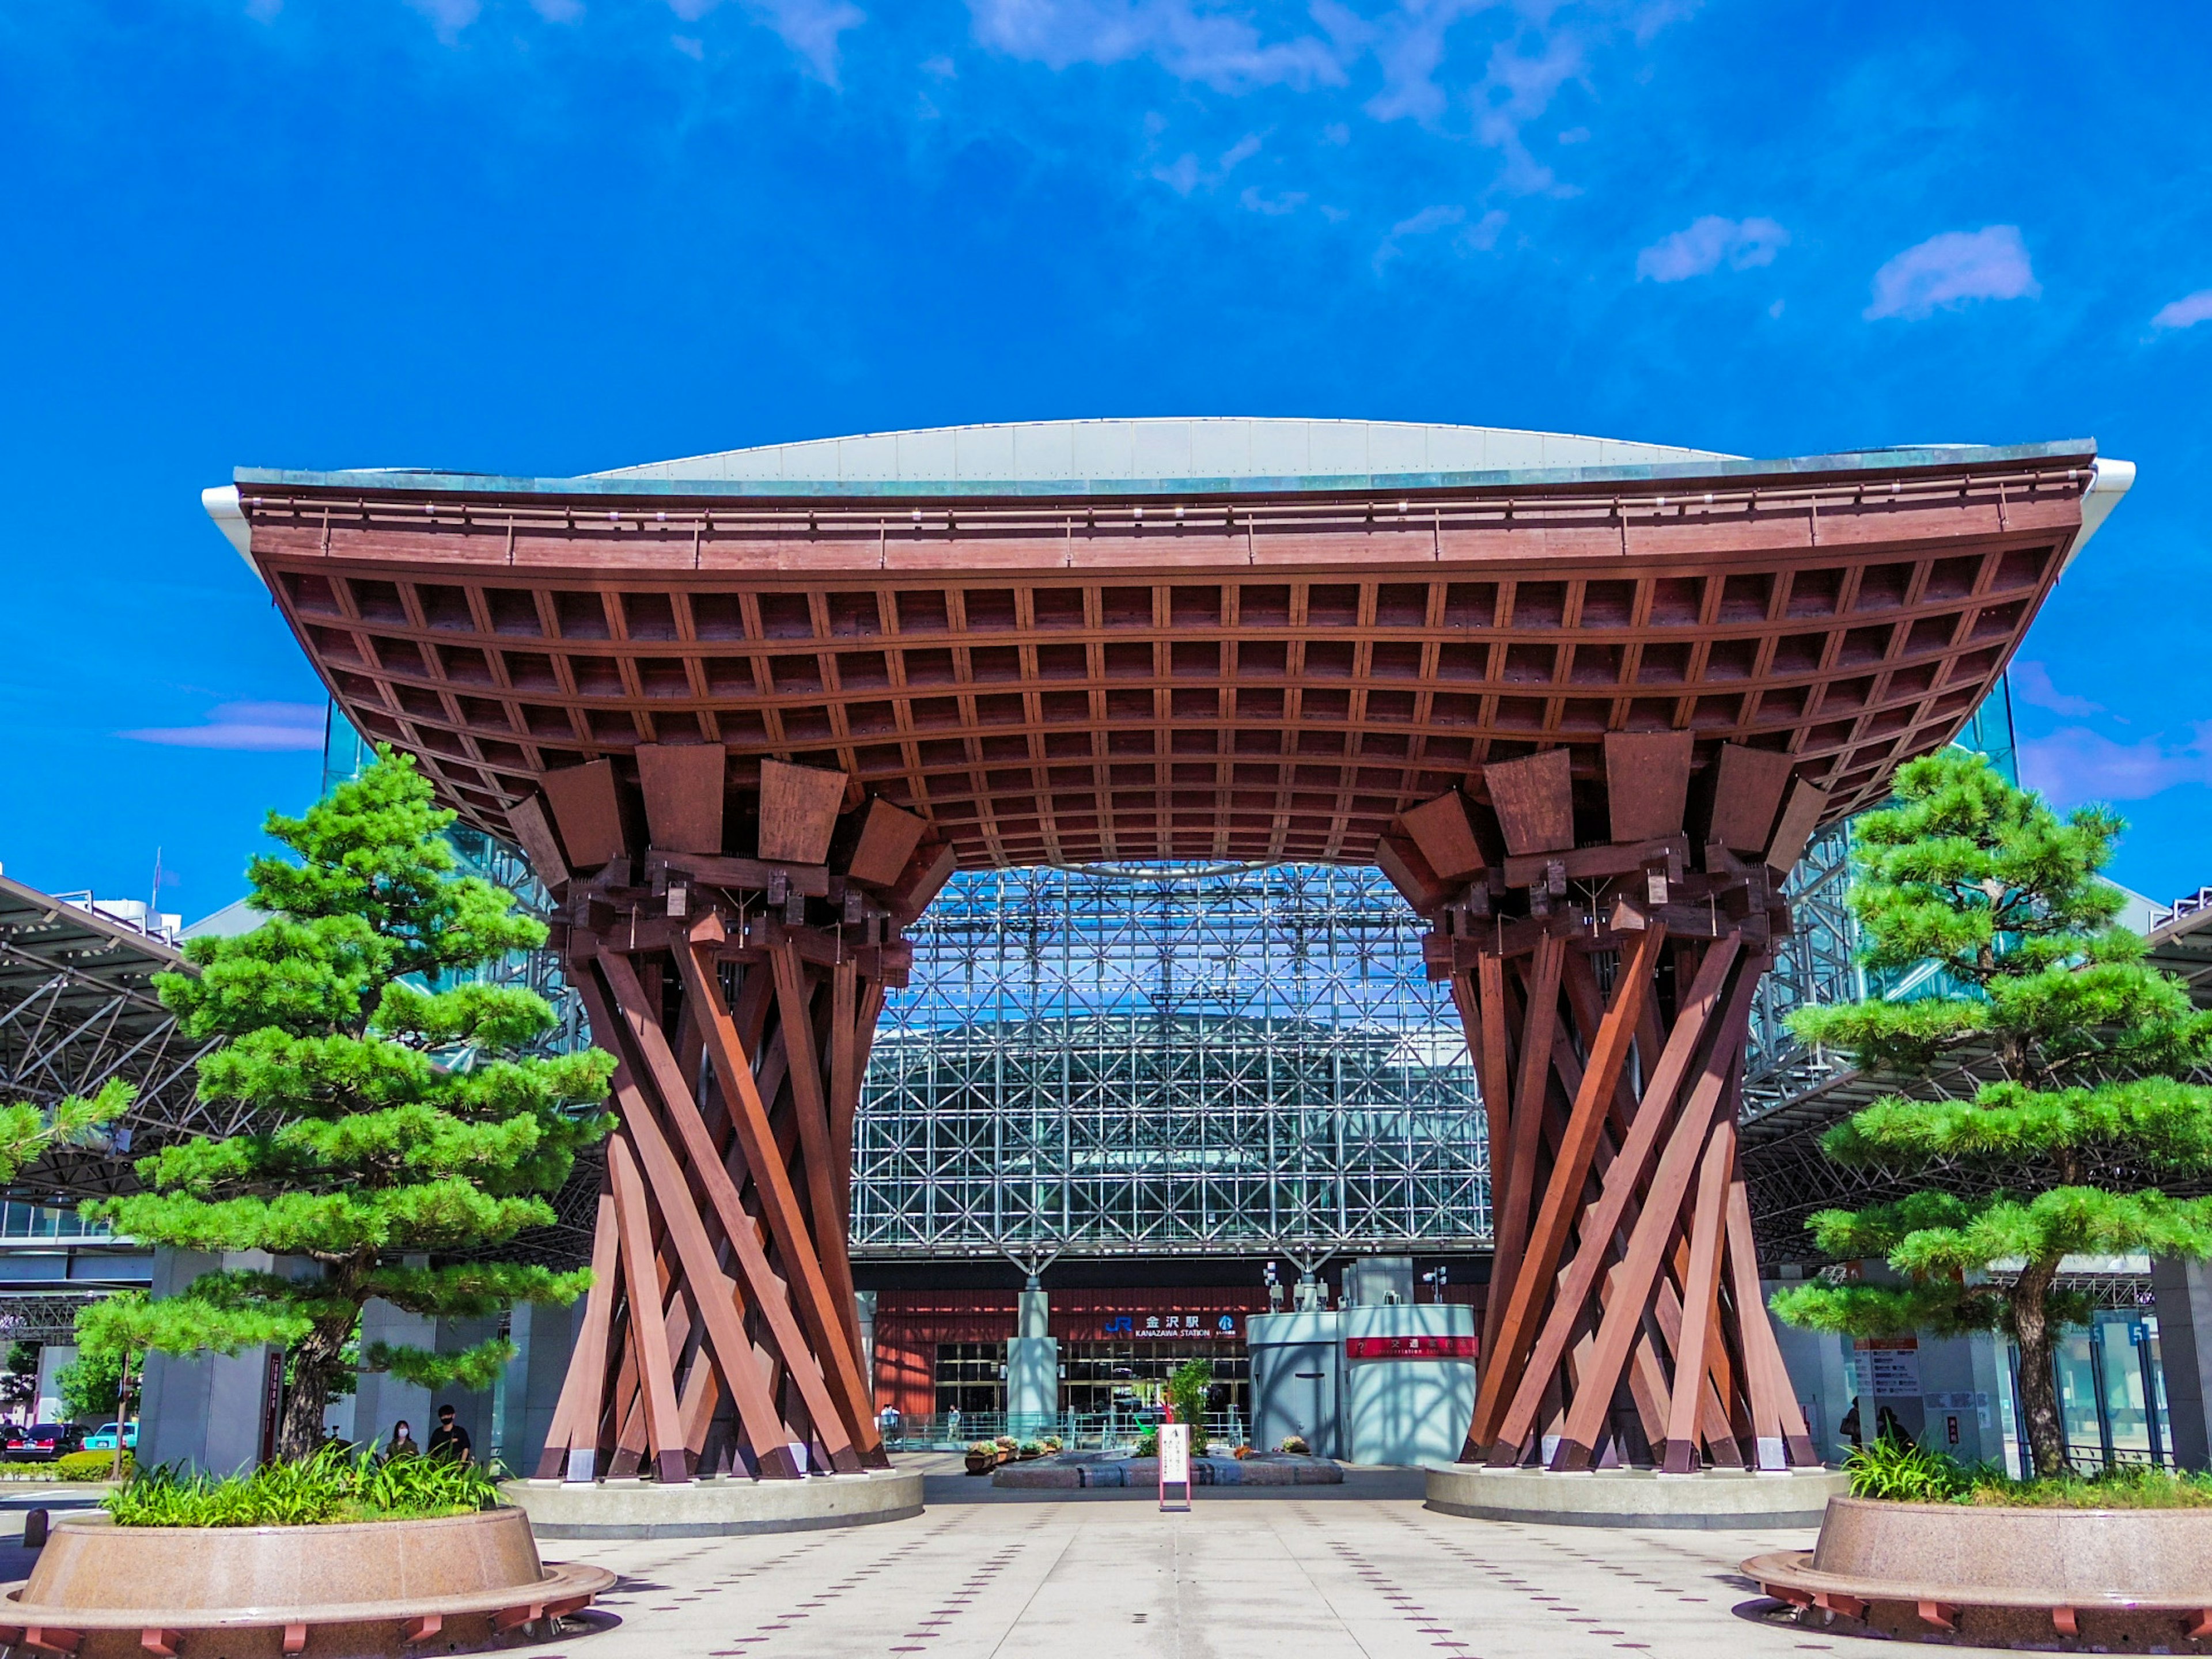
[2083,1580]
[1713,1500]
[715,1508]
[368,1590]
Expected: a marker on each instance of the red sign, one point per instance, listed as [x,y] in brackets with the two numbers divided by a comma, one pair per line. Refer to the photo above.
[1409,1347]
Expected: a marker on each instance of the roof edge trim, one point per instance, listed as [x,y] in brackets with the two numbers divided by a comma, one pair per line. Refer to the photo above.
[1930,458]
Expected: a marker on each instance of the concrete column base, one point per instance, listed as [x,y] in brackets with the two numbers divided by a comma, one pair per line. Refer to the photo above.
[1716,1500]
[715,1508]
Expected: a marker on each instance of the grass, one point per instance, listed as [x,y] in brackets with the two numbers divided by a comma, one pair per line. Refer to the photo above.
[330,1487]
[1901,1473]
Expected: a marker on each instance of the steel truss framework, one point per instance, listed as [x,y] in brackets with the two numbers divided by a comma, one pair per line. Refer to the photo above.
[77,1008]
[1170,1059]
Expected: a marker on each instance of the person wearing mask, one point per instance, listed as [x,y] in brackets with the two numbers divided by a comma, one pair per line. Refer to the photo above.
[449,1441]
[401,1442]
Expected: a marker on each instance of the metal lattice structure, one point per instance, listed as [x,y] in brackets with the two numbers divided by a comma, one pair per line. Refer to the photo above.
[1168,1059]
[1816,963]
[77,1008]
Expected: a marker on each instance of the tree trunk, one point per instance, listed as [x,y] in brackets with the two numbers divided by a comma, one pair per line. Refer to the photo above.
[313,1363]
[2039,1381]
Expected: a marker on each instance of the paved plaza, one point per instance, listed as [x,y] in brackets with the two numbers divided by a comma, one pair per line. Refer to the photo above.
[1360,1570]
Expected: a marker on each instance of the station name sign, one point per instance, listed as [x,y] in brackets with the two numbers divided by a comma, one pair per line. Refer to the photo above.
[1220,1328]
[1409,1347]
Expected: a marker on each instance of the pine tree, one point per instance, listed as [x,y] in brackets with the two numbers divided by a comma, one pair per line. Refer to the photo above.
[2056,1156]
[394,1113]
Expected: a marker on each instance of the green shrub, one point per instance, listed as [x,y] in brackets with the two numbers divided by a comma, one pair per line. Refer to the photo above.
[89,1465]
[1148,1443]
[1898,1472]
[1294,1444]
[330,1486]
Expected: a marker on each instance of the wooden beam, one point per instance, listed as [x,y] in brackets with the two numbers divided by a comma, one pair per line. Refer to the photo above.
[534,831]
[683,786]
[778,1199]
[664,1425]
[1538,1260]
[889,835]
[576,1424]
[587,811]
[1670,1182]
[1598,1226]
[1534,799]
[798,808]
[1701,1287]
[1512,1198]
[709,1288]
[770,1294]
[1444,832]
[1647,776]
[1801,816]
[1746,788]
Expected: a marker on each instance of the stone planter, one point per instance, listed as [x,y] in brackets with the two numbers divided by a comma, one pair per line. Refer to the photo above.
[983,1462]
[1999,1578]
[101,1591]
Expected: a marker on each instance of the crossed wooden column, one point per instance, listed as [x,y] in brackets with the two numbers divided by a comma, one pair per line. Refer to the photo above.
[739,997]
[1606,988]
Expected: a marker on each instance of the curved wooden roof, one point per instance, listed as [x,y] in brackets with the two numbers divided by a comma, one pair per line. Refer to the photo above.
[1225,668]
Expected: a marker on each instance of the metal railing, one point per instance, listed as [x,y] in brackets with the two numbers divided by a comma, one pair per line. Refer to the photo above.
[1075,1431]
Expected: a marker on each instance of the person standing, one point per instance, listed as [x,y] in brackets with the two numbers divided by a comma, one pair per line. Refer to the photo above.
[449,1441]
[401,1442]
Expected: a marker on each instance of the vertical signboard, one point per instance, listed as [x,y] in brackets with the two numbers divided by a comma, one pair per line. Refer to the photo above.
[1175,1463]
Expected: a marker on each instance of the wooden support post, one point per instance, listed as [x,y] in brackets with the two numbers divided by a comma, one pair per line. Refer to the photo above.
[1701,1286]
[1539,1260]
[664,1425]
[1670,1180]
[1598,1225]
[572,1443]
[778,1199]
[1509,1198]
[769,1295]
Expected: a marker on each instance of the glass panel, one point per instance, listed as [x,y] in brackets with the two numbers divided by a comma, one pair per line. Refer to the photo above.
[2077,1400]
[2125,1407]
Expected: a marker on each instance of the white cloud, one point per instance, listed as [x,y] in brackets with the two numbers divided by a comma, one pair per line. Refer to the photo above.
[266,727]
[1288,201]
[1515,89]
[448,17]
[2031,683]
[1191,40]
[559,11]
[1990,263]
[1480,236]
[264,11]
[809,27]
[2074,764]
[690,45]
[1410,48]
[1701,247]
[1184,175]
[2185,312]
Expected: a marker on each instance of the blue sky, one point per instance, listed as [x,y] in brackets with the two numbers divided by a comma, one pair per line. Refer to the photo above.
[550,235]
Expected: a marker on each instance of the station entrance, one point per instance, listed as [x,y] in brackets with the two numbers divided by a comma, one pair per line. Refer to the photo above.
[1583,709]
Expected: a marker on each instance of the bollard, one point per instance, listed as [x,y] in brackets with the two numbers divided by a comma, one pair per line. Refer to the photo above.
[34,1529]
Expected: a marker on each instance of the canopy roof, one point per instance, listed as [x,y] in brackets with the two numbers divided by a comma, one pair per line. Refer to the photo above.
[1065,641]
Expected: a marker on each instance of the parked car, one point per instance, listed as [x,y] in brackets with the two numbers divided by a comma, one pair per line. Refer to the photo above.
[103,1437]
[42,1442]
